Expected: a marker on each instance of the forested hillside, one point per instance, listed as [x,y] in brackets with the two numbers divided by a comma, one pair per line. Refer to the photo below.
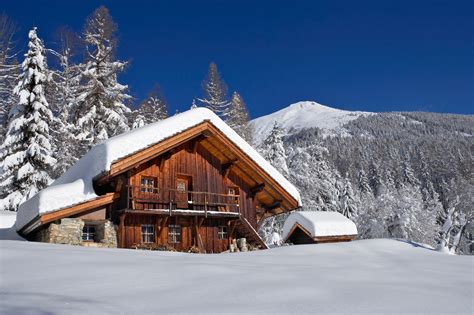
[405,175]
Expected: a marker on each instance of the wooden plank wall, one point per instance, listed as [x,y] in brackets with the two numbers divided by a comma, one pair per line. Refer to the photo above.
[208,232]
[205,171]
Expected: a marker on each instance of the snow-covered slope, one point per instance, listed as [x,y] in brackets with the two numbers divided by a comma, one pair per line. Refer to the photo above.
[304,115]
[360,277]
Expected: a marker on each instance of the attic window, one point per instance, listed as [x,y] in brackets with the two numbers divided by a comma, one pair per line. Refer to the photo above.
[88,233]
[149,184]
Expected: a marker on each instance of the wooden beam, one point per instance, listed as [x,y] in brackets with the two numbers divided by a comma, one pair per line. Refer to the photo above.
[273,205]
[225,167]
[122,233]
[256,189]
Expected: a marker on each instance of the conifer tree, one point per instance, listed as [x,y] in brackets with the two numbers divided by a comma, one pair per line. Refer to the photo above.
[64,85]
[26,155]
[101,110]
[215,92]
[152,109]
[273,150]
[238,117]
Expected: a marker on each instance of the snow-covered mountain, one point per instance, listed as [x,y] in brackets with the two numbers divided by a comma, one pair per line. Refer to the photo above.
[303,115]
[375,167]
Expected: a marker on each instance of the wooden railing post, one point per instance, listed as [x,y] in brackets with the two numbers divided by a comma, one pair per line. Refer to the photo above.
[128,196]
[171,202]
[205,205]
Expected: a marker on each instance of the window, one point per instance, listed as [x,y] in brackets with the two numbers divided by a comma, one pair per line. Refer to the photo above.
[148,233]
[222,233]
[88,233]
[174,234]
[233,191]
[149,184]
[181,185]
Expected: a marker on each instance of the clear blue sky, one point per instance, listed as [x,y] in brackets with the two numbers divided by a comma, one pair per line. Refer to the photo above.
[357,55]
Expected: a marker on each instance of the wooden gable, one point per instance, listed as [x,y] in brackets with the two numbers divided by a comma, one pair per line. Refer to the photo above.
[271,197]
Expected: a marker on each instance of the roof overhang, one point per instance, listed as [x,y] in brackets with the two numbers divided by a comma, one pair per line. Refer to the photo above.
[78,209]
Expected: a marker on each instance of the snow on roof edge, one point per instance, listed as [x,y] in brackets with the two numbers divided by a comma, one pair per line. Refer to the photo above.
[76,184]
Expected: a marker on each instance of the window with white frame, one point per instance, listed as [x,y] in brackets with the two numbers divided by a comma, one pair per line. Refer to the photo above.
[174,234]
[148,233]
[88,233]
[222,233]
[148,184]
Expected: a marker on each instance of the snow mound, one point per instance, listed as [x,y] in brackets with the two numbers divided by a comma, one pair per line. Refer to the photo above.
[7,229]
[360,277]
[303,115]
[320,223]
[76,185]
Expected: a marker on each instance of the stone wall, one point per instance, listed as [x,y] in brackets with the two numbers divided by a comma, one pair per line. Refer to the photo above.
[69,231]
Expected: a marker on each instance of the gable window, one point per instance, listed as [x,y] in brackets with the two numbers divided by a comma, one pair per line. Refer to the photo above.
[174,234]
[88,233]
[222,233]
[148,233]
[148,184]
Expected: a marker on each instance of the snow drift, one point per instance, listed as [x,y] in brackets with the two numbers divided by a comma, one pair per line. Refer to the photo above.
[359,277]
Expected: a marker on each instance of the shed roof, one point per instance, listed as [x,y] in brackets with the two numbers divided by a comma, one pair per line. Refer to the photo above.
[319,223]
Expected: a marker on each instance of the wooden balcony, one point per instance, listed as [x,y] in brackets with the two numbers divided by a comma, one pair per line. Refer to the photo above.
[181,202]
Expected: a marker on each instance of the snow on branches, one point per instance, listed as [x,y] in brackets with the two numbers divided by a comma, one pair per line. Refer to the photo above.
[26,154]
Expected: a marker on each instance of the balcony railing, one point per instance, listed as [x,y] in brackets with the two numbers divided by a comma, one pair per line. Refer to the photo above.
[145,198]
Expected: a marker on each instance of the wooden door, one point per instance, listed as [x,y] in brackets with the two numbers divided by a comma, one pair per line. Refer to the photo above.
[182,185]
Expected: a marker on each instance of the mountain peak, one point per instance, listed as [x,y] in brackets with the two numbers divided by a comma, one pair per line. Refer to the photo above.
[303,115]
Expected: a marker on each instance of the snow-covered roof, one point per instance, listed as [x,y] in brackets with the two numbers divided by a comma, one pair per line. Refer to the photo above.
[76,185]
[319,223]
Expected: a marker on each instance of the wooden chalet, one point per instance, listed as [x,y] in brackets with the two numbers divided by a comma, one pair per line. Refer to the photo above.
[192,184]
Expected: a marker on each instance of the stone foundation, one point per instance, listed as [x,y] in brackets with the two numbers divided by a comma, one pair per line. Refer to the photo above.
[69,231]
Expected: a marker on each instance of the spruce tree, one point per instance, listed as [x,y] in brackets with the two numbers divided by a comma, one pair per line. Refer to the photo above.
[26,155]
[101,110]
[238,117]
[273,149]
[215,93]
[152,109]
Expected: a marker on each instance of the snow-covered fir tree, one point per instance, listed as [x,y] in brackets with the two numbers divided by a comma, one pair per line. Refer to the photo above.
[152,109]
[101,110]
[215,92]
[348,200]
[26,155]
[273,150]
[315,177]
[238,117]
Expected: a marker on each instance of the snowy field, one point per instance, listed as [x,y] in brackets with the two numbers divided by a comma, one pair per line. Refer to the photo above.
[372,276]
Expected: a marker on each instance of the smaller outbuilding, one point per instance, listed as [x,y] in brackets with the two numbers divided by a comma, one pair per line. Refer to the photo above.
[310,227]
